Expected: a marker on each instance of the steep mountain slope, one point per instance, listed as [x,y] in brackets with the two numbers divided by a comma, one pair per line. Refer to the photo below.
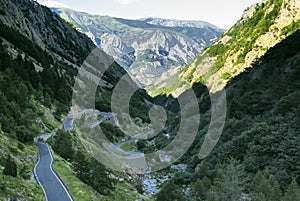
[46,30]
[146,48]
[256,157]
[40,55]
[261,27]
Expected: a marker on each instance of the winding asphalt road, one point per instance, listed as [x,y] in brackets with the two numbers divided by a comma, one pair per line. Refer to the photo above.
[52,186]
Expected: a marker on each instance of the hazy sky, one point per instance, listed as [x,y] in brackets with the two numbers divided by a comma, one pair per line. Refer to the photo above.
[223,13]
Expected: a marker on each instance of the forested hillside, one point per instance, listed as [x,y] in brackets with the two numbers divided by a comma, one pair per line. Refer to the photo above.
[257,155]
[40,55]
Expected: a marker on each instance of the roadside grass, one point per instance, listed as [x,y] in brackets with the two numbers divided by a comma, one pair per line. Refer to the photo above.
[12,188]
[78,190]
[22,187]
[129,146]
[109,148]
[124,191]
[82,192]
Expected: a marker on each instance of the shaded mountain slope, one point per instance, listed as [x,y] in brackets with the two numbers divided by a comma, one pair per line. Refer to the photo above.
[260,142]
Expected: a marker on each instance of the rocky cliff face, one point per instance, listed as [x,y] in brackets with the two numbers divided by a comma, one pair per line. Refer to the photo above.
[262,26]
[145,48]
[45,29]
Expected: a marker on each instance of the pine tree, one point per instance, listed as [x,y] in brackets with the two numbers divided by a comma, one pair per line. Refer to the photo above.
[260,185]
[202,186]
[10,167]
[99,179]
[63,144]
[203,170]
[1,132]
[229,184]
[275,194]
[169,192]
[293,192]
[81,166]
[267,189]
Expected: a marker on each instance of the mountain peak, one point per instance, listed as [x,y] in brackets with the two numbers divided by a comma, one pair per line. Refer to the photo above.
[179,23]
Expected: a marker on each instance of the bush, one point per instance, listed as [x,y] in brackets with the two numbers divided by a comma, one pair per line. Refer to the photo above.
[10,167]
[226,76]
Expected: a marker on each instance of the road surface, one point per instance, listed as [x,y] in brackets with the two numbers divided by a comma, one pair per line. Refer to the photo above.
[99,121]
[132,154]
[68,124]
[52,186]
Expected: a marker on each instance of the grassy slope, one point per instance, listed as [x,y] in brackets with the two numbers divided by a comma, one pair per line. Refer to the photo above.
[238,48]
[20,187]
[78,189]
[82,192]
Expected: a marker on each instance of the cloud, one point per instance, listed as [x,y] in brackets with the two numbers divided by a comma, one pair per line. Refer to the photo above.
[53,4]
[125,2]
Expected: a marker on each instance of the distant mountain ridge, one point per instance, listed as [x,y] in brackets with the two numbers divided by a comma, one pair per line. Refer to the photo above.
[145,48]
[179,23]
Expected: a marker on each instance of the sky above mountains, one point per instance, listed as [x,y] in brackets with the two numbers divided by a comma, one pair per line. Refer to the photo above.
[218,12]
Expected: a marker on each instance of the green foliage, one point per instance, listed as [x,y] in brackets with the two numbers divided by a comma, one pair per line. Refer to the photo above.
[261,132]
[99,178]
[81,191]
[169,192]
[217,49]
[12,188]
[81,166]
[290,29]
[62,144]
[78,189]
[138,107]
[23,89]
[244,34]
[288,103]
[220,62]
[293,192]
[25,44]
[16,163]
[87,169]
[10,167]
[2,12]
[200,80]
[268,189]
[226,76]
[240,59]
[190,77]
[201,187]
[129,146]
[229,184]
[18,110]
[112,133]
[1,132]
[70,23]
